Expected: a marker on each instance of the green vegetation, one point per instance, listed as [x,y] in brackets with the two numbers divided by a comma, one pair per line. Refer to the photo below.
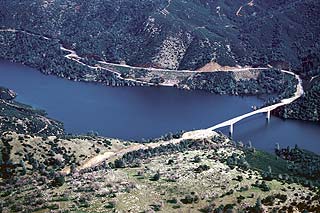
[175,177]
[136,32]
[268,82]
[306,108]
[47,56]
[302,162]
[296,165]
[174,35]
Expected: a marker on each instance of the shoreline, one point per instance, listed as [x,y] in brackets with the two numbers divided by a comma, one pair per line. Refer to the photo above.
[109,73]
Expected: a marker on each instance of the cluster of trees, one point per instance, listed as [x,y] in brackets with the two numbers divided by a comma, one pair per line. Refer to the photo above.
[310,65]
[237,160]
[10,170]
[302,162]
[134,32]
[290,165]
[6,165]
[47,56]
[306,108]
[165,137]
[263,186]
[130,159]
[270,200]
[201,168]
[271,81]
[47,165]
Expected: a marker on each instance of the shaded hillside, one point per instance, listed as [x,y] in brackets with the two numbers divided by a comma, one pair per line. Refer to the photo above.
[24,119]
[306,108]
[177,34]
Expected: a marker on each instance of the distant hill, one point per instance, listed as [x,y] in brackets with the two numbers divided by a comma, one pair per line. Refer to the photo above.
[178,34]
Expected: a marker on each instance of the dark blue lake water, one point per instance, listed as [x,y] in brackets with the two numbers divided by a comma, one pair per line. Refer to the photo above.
[148,112]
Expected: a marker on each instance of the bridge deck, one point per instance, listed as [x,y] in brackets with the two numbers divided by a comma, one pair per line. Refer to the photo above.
[299,92]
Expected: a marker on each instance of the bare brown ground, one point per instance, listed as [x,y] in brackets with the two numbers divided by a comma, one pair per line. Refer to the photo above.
[213,66]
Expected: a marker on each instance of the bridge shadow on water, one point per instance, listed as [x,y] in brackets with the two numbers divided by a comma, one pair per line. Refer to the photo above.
[251,128]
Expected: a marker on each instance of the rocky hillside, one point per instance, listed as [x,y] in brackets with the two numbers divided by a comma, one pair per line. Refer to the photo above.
[177,34]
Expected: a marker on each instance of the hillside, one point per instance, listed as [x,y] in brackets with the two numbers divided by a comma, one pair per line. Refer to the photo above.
[227,47]
[21,118]
[190,171]
[306,108]
[177,34]
[202,175]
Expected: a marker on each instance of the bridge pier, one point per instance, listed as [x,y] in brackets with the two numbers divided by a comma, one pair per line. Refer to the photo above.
[268,116]
[231,131]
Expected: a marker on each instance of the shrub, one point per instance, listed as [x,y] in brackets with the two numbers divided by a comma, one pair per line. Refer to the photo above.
[58,180]
[173,201]
[156,177]
[190,198]
[156,206]
[197,159]
[118,163]
[110,205]
[170,161]
[201,168]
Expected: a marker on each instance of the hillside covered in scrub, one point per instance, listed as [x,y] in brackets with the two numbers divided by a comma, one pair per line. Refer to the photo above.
[173,34]
[306,108]
[177,34]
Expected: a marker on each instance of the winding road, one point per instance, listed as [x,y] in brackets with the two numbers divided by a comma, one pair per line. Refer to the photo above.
[196,134]
[72,55]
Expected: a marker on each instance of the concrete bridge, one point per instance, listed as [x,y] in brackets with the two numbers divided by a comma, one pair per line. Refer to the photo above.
[299,92]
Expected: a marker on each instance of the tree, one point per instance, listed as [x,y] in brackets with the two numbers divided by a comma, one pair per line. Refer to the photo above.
[58,180]
[197,159]
[315,116]
[35,165]
[170,161]
[118,163]
[24,170]
[42,168]
[156,177]
[73,168]
[258,206]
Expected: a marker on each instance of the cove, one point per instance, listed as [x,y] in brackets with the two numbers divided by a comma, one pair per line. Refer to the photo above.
[133,113]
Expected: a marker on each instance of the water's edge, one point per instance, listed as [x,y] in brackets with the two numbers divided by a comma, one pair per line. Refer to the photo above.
[149,112]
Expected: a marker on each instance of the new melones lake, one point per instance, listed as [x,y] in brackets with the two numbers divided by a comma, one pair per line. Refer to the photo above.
[149,112]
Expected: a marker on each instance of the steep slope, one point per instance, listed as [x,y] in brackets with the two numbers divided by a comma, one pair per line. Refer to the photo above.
[306,108]
[176,34]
